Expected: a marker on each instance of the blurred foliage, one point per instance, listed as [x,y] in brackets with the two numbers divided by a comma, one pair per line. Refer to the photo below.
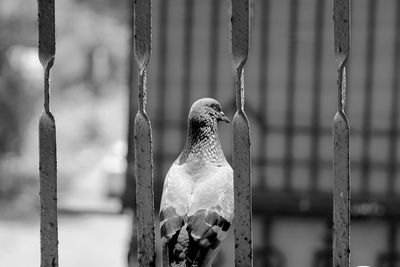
[107,7]
[87,82]
[87,35]
[14,110]
[16,97]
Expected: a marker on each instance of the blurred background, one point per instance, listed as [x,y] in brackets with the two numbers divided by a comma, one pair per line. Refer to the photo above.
[290,82]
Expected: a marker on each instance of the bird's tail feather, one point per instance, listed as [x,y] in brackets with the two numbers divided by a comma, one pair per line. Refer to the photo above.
[178,253]
[197,242]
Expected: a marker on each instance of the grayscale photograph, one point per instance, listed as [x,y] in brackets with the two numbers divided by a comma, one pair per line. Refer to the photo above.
[200,133]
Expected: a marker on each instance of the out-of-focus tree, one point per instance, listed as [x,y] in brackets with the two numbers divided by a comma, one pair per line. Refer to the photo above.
[16,97]
[90,55]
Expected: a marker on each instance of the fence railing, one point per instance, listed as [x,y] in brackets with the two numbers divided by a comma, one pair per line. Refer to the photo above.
[142,139]
[241,137]
[47,141]
[341,139]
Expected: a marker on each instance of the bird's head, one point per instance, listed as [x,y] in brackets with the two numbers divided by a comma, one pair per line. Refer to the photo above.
[207,109]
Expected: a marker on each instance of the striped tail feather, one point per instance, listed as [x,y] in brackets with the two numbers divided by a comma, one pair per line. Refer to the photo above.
[207,230]
[193,243]
[174,237]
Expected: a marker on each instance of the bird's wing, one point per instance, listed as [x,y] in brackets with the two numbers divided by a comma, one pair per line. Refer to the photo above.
[173,210]
[174,200]
[210,213]
[213,189]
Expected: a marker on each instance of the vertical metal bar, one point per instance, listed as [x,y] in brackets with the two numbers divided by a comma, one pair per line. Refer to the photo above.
[130,156]
[130,186]
[394,113]
[143,140]
[290,94]
[214,47]
[47,141]
[341,160]
[316,93]
[187,61]
[263,88]
[367,113]
[241,137]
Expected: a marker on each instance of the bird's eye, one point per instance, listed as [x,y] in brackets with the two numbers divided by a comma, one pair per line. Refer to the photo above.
[216,107]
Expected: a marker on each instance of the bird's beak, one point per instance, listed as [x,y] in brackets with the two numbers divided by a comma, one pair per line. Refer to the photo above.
[223,117]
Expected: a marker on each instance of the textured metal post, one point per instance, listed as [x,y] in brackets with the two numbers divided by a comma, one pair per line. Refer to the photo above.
[129,198]
[143,141]
[241,137]
[47,141]
[341,161]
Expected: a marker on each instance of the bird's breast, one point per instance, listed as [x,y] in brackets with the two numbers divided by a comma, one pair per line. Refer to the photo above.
[199,171]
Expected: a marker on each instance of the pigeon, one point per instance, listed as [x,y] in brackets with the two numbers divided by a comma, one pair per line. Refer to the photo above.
[197,205]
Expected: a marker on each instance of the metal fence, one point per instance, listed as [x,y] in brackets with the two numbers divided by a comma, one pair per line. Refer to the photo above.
[291,135]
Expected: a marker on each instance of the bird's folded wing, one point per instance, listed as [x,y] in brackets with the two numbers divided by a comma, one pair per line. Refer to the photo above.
[174,201]
[210,214]
[207,229]
[214,192]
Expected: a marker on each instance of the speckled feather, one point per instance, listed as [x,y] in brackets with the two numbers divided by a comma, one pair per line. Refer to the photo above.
[197,202]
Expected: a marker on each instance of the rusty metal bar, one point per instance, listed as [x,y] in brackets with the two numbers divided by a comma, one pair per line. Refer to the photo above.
[394,109]
[214,47]
[241,137]
[263,87]
[341,160]
[316,94]
[143,140]
[290,93]
[47,141]
[368,104]
[129,197]
[129,194]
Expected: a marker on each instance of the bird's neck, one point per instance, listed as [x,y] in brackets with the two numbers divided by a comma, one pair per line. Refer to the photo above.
[202,144]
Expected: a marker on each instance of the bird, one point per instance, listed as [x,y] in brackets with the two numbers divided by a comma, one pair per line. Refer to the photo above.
[197,203]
